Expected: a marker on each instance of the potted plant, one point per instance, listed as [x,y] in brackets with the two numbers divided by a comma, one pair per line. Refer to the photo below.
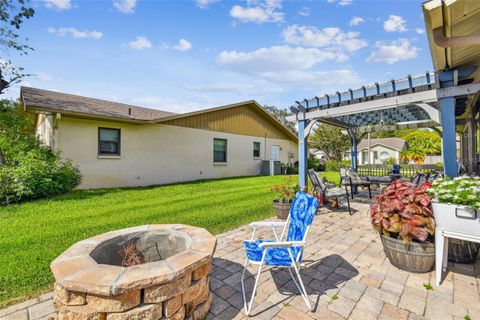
[284,195]
[455,204]
[403,216]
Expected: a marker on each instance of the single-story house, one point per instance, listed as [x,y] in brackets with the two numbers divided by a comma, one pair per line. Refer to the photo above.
[380,150]
[120,145]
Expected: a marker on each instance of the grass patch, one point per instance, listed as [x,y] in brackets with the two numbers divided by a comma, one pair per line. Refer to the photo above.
[331,176]
[34,233]
[428,286]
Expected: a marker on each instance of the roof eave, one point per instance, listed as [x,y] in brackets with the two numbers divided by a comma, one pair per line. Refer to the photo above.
[433,16]
[83,115]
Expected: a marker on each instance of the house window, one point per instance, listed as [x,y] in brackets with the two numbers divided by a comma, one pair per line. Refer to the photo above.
[384,155]
[108,142]
[364,157]
[219,150]
[256,149]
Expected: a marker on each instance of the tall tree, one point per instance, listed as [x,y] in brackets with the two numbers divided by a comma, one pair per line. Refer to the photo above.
[331,141]
[281,115]
[12,14]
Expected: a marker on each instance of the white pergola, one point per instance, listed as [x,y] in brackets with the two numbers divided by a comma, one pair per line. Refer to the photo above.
[429,100]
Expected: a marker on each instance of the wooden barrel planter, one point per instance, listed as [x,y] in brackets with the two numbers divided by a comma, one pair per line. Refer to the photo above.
[282,209]
[413,257]
[460,251]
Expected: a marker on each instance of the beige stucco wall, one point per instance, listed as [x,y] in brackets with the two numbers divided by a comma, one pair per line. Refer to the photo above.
[159,154]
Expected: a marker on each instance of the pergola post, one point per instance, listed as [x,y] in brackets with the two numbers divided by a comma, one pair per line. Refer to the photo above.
[353,149]
[302,154]
[447,119]
[449,141]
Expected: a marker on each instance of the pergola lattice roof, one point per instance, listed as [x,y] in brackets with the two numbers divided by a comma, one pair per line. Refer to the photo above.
[408,102]
[401,112]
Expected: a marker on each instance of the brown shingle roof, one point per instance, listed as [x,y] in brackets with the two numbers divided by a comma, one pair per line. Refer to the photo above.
[50,101]
[392,143]
[69,103]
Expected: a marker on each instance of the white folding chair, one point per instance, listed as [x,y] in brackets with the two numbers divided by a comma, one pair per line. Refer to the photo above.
[279,252]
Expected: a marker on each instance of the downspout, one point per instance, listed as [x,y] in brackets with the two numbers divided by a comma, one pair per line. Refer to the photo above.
[448,42]
[56,119]
[265,147]
[369,148]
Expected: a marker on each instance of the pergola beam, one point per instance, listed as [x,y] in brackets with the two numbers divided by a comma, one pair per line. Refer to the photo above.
[433,113]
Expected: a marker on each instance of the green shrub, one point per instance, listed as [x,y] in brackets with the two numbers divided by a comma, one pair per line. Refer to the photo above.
[38,174]
[315,164]
[336,165]
[292,170]
[29,170]
[390,161]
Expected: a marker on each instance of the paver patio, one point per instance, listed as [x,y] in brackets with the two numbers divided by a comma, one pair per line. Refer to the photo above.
[346,274]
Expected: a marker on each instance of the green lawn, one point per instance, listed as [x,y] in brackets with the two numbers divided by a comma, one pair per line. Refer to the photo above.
[33,234]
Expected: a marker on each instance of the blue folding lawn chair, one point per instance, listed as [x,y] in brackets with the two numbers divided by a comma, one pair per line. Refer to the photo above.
[282,252]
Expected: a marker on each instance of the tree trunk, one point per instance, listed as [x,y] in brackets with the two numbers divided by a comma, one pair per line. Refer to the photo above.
[2,158]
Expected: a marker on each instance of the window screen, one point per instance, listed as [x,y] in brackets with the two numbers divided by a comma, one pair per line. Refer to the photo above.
[219,150]
[256,149]
[109,141]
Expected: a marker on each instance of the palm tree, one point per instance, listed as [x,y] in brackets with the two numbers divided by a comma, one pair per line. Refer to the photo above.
[416,155]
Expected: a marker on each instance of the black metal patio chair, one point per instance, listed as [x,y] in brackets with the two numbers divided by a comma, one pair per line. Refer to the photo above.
[350,178]
[328,191]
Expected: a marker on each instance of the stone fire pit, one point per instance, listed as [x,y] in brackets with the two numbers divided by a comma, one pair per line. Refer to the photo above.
[172,283]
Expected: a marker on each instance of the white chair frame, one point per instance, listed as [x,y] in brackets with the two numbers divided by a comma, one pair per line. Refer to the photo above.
[295,265]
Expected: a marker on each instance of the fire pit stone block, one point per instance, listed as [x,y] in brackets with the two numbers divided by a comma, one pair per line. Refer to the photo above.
[173,283]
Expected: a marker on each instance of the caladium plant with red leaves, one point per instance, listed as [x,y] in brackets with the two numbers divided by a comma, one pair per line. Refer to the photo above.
[404,211]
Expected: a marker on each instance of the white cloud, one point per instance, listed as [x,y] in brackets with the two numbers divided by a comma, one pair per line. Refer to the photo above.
[79,34]
[286,65]
[393,52]
[59,5]
[233,87]
[183,45]
[140,43]
[330,38]
[205,3]
[420,30]
[315,78]
[304,11]
[125,6]
[395,23]
[279,58]
[169,104]
[342,3]
[47,77]
[258,11]
[356,21]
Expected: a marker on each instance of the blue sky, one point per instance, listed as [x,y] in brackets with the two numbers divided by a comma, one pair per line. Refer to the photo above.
[187,55]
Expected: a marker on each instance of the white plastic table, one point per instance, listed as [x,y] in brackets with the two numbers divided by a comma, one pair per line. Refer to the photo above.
[441,249]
